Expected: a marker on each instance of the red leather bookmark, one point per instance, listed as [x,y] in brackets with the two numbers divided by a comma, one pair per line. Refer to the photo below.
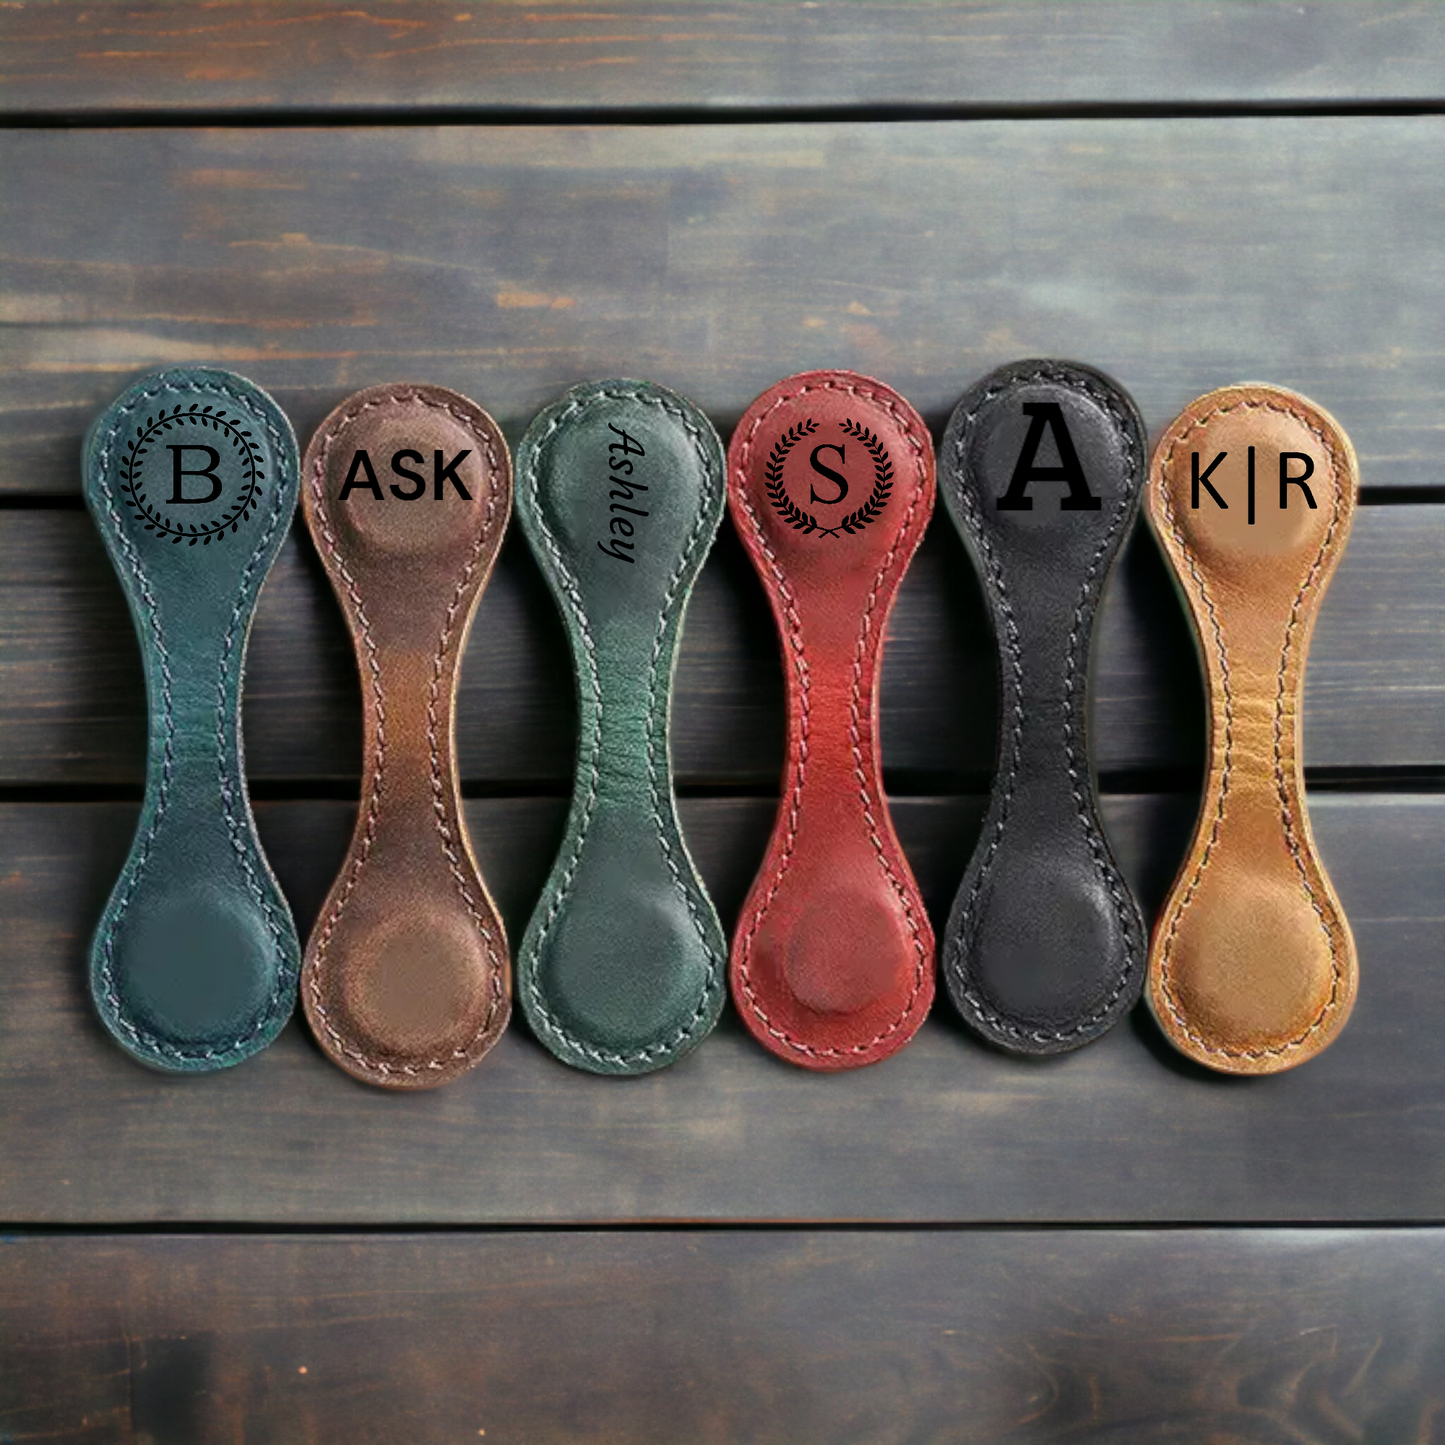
[830,481]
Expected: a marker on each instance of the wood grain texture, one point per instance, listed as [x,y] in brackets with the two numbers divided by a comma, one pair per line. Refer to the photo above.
[72,704]
[1286,1337]
[511,263]
[78,56]
[1123,1131]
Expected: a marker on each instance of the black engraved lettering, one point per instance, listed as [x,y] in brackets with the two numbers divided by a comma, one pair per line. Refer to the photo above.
[1286,481]
[622,490]
[442,474]
[418,481]
[824,470]
[1048,414]
[361,478]
[1196,477]
[181,472]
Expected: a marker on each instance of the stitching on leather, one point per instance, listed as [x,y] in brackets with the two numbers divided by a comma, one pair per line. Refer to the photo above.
[1286,810]
[439,792]
[242,839]
[370,826]
[795,642]
[960,943]
[527,483]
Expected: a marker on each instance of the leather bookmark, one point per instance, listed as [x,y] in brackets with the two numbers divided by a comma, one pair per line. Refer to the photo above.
[1042,466]
[407,491]
[620,491]
[1252,967]
[830,480]
[191,478]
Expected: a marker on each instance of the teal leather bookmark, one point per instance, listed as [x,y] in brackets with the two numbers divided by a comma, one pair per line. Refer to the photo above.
[191,476]
[620,491]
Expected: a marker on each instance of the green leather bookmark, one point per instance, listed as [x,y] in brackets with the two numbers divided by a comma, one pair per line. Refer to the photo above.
[191,476]
[620,491]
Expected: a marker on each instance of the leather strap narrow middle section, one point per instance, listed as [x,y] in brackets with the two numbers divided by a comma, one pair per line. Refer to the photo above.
[830,481]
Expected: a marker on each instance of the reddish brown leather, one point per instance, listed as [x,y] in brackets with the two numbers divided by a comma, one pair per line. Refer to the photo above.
[832,960]
[407,981]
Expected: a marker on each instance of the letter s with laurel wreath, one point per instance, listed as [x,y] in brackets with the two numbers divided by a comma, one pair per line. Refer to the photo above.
[806,522]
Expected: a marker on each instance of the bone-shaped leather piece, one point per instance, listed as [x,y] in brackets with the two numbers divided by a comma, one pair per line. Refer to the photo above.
[1041,467]
[620,492]
[191,478]
[407,491]
[1252,967]
[830,481]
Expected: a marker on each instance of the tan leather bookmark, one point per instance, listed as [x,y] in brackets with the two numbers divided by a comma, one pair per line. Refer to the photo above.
[407,491]
[1252,967]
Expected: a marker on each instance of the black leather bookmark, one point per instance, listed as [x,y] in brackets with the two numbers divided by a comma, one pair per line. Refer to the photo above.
[1042,467]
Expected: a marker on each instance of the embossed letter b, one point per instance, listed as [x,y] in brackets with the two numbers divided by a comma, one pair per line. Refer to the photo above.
[180,472]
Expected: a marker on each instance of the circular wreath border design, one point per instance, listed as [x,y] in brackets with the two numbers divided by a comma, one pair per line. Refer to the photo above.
[805,521]
[208,416]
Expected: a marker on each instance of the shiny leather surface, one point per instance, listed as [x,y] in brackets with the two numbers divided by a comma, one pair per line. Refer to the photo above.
[1045,946]
[830,481]
[191,478]
[620,492]
[1252,967]
[407,978]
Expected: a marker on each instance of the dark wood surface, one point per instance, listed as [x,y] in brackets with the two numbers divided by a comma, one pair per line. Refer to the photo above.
[72,699]
[510,263]
[1184,194]
[1297,1337]
[948,1131]
[69,56]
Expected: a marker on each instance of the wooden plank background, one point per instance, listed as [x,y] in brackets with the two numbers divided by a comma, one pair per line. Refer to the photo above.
[1176,254]
[72,698]
[950,1131]
[879,1337]
[508,199]
[397,55]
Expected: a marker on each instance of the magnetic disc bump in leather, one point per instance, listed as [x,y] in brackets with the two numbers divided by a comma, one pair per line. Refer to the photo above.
[1041,467]
[830,480]
[407,491]
[1252,967]
[620,491]
[191,478]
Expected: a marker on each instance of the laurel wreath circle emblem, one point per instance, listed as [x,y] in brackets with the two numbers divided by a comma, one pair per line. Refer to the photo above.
[806,522]
[217,420]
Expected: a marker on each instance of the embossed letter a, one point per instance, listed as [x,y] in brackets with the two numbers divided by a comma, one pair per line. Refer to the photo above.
[1016,498]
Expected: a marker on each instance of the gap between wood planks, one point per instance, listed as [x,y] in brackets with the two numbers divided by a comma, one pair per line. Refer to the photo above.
[352,117]
[167,1229]
[897,784]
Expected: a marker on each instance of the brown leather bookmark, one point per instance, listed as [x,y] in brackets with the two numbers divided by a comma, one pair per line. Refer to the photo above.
[1252,967]
[407,491]
[830,480]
